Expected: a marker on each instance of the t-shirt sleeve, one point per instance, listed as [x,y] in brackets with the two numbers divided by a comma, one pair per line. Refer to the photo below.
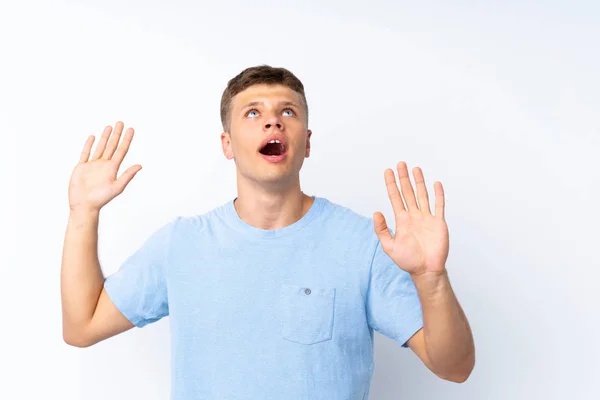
[139,287]
[393,305]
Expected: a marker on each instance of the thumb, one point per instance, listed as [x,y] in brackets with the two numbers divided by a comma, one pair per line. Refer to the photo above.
[126,177]
[382,231]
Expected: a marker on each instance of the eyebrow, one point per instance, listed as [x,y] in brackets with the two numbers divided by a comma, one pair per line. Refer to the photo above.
[260,103]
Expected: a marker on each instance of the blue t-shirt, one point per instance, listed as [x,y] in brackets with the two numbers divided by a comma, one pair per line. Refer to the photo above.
[269,314]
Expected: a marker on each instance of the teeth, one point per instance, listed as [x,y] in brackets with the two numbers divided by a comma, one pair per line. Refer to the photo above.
[275,141]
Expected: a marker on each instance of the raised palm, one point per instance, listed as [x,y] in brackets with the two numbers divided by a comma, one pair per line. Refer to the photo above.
[421,241]
[94,180]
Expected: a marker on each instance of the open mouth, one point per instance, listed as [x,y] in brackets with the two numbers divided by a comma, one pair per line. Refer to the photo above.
[273,148]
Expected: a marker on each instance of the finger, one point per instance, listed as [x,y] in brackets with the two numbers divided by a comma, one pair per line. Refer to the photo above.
[393,192]
[406,186]
[87,148]
[102,142]
[382,231]
[126,177]
[123,147]
[440,199]
[421,190]
[113,142]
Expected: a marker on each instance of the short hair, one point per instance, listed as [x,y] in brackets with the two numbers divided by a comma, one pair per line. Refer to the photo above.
[261,74]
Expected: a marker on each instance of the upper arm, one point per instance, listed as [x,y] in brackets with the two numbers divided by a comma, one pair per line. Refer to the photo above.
[106,322]
[417,344]
[393,306]
[136,294]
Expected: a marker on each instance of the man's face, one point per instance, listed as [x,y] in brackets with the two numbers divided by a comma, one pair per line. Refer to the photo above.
[261,114]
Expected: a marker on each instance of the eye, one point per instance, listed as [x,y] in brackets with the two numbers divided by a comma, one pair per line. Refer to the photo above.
[251,111]
[290,110]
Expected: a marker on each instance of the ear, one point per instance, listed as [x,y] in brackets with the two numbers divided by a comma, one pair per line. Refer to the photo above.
[308,134]
[226,144]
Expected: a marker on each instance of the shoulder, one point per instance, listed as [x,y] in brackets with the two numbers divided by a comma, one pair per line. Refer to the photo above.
[348,221]
[202,221]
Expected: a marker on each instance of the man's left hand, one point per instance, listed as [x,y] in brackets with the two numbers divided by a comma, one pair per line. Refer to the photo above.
[420,244]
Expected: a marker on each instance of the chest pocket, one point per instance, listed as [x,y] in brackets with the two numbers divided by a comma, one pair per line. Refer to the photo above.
[307,313]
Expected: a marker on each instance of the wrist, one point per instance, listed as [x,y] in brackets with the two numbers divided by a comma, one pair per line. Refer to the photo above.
[431,282]
[81,213]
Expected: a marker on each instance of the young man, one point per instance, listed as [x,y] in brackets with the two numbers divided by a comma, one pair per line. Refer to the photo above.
[275,294]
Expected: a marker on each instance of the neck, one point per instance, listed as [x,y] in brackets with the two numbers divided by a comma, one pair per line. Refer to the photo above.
[270,208]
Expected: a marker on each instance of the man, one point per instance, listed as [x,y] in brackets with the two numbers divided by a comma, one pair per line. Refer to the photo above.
[275,294]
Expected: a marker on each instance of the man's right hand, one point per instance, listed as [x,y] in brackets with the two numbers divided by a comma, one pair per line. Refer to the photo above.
[94,180]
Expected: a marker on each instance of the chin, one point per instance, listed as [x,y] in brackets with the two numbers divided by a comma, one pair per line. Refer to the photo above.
[275,178]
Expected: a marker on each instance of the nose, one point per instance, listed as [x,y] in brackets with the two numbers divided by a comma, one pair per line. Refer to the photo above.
[274,121]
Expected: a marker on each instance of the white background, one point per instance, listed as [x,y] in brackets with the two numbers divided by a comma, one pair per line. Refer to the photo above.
[500,102]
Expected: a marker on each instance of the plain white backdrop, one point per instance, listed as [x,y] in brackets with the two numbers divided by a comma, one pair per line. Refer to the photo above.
[500,102]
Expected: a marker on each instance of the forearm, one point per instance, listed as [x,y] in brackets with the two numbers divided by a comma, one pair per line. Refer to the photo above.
[81,276]
[448,337]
